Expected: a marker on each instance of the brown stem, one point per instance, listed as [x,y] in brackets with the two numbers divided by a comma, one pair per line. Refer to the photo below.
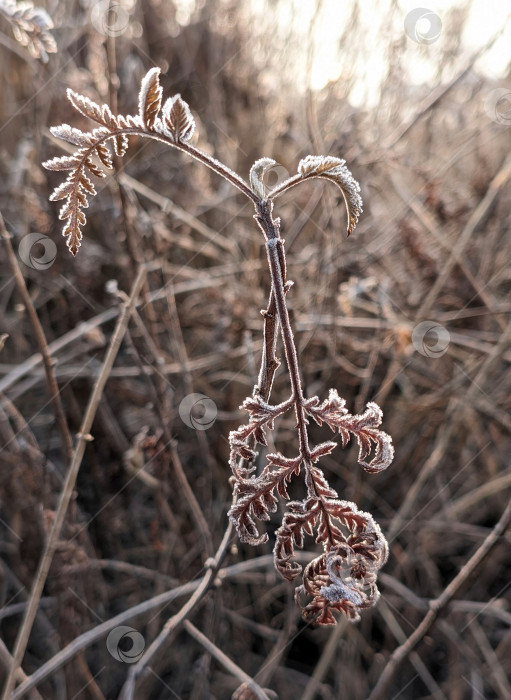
[225,661]
[269,361]
[436,606]
[53,388]
[173,624]
[84,437]
[277,261]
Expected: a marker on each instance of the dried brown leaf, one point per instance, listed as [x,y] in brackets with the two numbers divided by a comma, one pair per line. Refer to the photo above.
[149,99]
[177,121]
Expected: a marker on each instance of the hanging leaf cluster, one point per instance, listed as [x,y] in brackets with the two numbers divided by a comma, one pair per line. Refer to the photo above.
[348,536]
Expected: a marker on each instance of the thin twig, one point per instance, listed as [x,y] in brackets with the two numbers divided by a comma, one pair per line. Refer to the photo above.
[433,100]
[331,648]
[173,623]
[187,490]
[82,329]
[479,213]
[416,661]
[6,661]
[53,387]
[226,662]
[67,490]
[436,606]
[492,661]
[96,633]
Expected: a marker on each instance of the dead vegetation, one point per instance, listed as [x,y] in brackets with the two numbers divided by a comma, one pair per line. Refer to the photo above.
[433,245]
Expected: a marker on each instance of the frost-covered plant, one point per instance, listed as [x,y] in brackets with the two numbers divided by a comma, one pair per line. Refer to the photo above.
[31,27]
[343,577]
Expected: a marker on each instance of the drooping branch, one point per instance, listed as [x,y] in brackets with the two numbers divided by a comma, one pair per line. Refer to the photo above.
[343,577]
[338,523]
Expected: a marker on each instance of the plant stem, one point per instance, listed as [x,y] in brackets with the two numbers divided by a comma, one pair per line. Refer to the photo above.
[225,661]
[48,362]
[276,260]
[381,689]
[67,490]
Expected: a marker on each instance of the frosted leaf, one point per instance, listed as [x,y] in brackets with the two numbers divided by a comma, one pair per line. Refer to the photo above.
[149,98]
[177,121]
[335,169]
[31,27]
[85,106]
[61,163]
[72,135]
[257,173]
[363,426]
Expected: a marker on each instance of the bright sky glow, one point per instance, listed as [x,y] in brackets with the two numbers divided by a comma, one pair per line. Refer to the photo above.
[379,27]
[364,55]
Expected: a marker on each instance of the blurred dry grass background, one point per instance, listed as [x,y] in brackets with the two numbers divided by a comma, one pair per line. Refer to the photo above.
[433,244]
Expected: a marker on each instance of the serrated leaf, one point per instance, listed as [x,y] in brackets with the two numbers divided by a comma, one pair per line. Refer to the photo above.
[103,153]
[296,523]
[72,135]
[91,165]
[61,163]
[322,486]
[120,144]
[322,449]
[364,427]
[177,120]
[85,106]
[129,121]
[62,191]
[149,99]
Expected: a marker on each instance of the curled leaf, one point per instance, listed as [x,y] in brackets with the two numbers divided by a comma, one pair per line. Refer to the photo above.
[334,413]
[335,169]
[257,173]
